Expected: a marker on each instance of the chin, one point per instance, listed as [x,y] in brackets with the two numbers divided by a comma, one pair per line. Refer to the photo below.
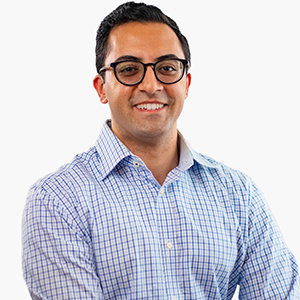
[153,130]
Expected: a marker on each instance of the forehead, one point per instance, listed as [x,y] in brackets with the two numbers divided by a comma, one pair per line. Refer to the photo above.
[146,41]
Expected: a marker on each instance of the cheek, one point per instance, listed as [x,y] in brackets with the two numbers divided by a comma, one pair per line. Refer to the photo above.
[119,100]
[116,91]
[178,93]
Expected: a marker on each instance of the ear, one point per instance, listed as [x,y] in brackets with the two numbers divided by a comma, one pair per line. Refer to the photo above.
[100,89]
[188,83]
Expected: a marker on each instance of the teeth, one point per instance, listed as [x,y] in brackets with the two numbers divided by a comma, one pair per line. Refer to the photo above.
[150,106]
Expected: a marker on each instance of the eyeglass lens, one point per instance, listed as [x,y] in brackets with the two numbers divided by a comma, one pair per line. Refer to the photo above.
[132,72]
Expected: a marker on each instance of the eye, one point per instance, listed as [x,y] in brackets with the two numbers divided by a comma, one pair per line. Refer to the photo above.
[168,67]
[128,68]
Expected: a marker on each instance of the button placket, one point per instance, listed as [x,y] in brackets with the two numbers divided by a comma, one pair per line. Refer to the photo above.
[167,233]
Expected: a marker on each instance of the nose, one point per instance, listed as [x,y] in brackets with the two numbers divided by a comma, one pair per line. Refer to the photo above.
[150,84]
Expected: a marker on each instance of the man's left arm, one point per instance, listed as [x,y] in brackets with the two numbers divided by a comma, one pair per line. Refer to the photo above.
[270,270]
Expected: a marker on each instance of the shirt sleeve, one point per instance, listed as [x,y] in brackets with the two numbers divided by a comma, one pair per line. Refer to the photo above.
[57,255]
[270,270]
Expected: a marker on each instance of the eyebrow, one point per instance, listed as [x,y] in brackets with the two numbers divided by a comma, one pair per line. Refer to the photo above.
[168,56]
[134,58]
[128,57]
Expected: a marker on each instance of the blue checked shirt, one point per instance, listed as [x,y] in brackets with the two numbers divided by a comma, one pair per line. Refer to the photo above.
[101,227]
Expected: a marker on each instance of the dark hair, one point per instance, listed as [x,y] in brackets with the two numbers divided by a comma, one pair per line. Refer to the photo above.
[130,12]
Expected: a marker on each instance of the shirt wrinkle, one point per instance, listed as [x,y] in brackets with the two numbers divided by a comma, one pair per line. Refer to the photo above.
[105,221]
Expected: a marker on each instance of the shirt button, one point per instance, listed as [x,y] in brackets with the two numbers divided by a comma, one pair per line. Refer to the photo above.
[136,163]
[169,245]
[161,191]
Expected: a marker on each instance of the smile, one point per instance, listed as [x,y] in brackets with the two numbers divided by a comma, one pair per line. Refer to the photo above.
[150,106]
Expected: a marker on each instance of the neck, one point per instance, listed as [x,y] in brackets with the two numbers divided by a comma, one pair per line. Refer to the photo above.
[160,159]
[160,154]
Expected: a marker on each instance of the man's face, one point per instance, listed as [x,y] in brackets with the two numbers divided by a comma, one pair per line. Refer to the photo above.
[130,120]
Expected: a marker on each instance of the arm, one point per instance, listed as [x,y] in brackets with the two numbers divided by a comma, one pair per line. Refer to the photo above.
[57,252]
[270,270]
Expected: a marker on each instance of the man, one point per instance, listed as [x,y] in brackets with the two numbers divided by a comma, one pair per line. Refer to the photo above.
[141,215]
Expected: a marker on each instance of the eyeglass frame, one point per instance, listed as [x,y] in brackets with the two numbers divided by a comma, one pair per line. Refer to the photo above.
[113,65]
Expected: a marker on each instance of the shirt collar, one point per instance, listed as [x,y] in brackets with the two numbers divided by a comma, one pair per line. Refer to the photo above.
[110,149]
[189,155]
[113,150]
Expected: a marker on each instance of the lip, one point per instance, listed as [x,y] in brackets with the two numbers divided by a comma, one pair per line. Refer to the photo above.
[149,102]
[150,107]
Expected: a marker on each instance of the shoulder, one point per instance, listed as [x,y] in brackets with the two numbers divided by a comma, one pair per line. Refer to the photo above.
[61,196]
[220,172]
[63,189]
[237,185]
[78,171]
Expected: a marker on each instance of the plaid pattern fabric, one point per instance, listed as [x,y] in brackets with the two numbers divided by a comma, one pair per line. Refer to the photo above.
[101,227]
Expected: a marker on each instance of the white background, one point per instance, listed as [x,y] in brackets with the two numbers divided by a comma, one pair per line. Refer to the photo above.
[243,107]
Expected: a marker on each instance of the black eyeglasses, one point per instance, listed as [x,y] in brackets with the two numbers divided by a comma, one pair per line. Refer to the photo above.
[131,72]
